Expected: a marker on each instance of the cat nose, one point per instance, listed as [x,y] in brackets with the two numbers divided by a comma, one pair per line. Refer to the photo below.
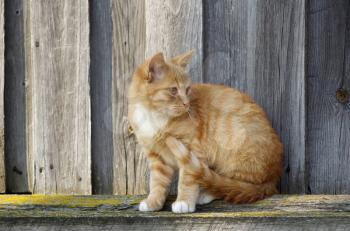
[185,102]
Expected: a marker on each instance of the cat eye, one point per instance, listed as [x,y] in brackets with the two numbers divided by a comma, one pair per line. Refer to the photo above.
[188,89]
[173,90]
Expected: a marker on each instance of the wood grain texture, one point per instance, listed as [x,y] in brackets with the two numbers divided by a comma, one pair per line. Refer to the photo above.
[101,96]
[164,224]
[281,212]
[17,162]
[328,119]
[58,101]
[128,41]
[174,27]
[2,79]
[258,47]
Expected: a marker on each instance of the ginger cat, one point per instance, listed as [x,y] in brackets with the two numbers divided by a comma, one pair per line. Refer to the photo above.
[219,140]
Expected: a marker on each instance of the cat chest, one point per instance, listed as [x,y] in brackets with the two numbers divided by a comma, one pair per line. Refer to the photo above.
[147,123]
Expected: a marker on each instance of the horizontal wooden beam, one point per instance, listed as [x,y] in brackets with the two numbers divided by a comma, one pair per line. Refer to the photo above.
[39,212]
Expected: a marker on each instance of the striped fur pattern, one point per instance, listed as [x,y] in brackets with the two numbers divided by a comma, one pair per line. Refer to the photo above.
[217,138]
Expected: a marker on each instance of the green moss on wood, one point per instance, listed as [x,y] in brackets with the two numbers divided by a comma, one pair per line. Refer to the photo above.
[65,200]
[65,206]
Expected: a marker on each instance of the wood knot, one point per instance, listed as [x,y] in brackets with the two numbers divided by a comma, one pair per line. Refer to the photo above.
[342,95]
[130,130]
[16,170]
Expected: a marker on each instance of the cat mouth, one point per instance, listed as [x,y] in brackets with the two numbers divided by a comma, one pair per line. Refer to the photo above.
[180,111]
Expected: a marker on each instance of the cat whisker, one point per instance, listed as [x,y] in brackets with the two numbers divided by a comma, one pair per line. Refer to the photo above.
[189,115]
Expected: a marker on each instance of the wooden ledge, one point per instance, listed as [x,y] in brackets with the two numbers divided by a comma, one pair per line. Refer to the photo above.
[119,212]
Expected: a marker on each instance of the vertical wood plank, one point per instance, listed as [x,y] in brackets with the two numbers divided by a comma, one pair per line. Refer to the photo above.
[58,97]
[130,169]
[2,78]
[170,27]
[328,111]
[18,165]
[258,47]
[174,27]
[101,96]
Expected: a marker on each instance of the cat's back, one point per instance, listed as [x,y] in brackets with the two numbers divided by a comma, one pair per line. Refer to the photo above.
[220,96]
[233,127]
[227,111]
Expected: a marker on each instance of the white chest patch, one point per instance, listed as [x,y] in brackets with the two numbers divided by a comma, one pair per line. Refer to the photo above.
[148,122]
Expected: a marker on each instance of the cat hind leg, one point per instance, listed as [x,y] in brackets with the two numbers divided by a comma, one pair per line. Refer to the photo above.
[205,198]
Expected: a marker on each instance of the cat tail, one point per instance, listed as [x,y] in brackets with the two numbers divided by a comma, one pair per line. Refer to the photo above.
[232,190]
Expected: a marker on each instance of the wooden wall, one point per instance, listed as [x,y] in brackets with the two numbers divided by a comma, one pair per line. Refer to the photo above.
[2,76]
[128,51]
[16,160]
[101,97]
[48,121]
[68,65]
[328,89]
[58,100]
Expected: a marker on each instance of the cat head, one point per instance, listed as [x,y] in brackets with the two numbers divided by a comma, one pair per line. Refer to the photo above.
[164,86]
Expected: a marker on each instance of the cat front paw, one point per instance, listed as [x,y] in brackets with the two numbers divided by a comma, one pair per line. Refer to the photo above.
[183,207]
[149,206]
[143,207]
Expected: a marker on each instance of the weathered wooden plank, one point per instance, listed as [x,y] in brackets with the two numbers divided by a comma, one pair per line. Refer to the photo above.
[165,224]
[2,78]
[130,168]
[328,111]
[58,102]
[17,162]
[174,27]
[37,212]
[258,47]
[101,96]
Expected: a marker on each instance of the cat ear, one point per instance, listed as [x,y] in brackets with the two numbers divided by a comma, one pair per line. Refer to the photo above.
[184,59]
[157,68]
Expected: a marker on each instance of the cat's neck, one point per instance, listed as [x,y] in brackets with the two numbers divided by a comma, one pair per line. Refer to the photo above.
[148,122]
